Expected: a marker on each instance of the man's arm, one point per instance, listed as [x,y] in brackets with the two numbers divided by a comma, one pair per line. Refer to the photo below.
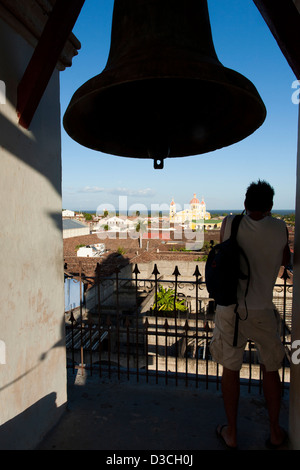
[222,231]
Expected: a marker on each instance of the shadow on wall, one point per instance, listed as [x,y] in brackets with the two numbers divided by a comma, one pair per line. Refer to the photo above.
[14,141]
[59,344]
[35,147]
[56,218]
[17,430]
[40,147]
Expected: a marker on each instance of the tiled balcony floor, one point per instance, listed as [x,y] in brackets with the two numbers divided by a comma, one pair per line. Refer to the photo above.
[104,414]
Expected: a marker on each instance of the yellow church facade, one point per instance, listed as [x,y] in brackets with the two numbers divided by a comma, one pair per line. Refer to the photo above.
[194,214]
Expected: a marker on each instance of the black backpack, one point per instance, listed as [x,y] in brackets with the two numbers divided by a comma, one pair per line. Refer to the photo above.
[222,270]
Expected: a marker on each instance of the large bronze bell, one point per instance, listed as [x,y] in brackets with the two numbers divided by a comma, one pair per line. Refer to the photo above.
[163,92]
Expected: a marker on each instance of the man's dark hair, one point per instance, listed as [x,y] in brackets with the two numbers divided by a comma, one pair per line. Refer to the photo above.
[259,196]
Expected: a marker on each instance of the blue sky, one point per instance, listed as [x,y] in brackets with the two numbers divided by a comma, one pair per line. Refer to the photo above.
[244,43]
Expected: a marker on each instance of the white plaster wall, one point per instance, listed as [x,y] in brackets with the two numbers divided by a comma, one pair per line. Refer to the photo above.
[33,377]
[76,232]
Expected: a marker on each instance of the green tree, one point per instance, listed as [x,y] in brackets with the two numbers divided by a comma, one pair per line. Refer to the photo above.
[78,246]
[88,216]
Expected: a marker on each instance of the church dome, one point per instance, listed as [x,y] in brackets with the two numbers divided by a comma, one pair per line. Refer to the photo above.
[195,200]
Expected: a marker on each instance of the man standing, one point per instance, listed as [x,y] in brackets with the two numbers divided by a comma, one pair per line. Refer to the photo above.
[264,240]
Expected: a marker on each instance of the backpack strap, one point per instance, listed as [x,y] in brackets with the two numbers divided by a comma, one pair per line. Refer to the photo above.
[235,225]
[237,316]
[234,229]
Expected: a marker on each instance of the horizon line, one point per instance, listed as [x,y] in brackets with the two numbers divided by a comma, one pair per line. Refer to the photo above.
[166,211]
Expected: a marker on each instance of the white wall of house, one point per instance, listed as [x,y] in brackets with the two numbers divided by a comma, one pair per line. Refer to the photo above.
[76,232]
[33,377]
[91,251]
[68,213]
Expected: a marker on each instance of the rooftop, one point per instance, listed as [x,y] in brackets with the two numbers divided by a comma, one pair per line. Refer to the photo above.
[69,224]
[152,249]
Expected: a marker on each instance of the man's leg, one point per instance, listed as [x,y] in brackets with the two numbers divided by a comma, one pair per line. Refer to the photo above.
[272,392]
[231,394]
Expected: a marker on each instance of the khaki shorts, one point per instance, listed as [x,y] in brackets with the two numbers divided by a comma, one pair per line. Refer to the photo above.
[261,326]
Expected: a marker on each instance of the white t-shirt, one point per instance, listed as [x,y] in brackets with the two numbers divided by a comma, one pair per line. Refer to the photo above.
[263,242]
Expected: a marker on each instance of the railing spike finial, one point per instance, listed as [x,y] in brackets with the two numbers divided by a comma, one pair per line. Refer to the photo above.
[98,269]
[176,272]
[285,274]
[155,271]
[197,272]
[136,270]
[72,318]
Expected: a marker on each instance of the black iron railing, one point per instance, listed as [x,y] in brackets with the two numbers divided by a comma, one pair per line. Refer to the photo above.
[121,327]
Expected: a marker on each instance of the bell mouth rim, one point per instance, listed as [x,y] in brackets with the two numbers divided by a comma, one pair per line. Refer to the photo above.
[74,120]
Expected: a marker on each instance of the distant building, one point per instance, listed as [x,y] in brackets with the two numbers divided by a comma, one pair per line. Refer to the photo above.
[115,224]
[194,214]
[68,213]
[91,251]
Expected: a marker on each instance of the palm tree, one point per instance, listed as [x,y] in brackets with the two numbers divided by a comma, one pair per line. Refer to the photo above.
[165,300]
[138,230]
